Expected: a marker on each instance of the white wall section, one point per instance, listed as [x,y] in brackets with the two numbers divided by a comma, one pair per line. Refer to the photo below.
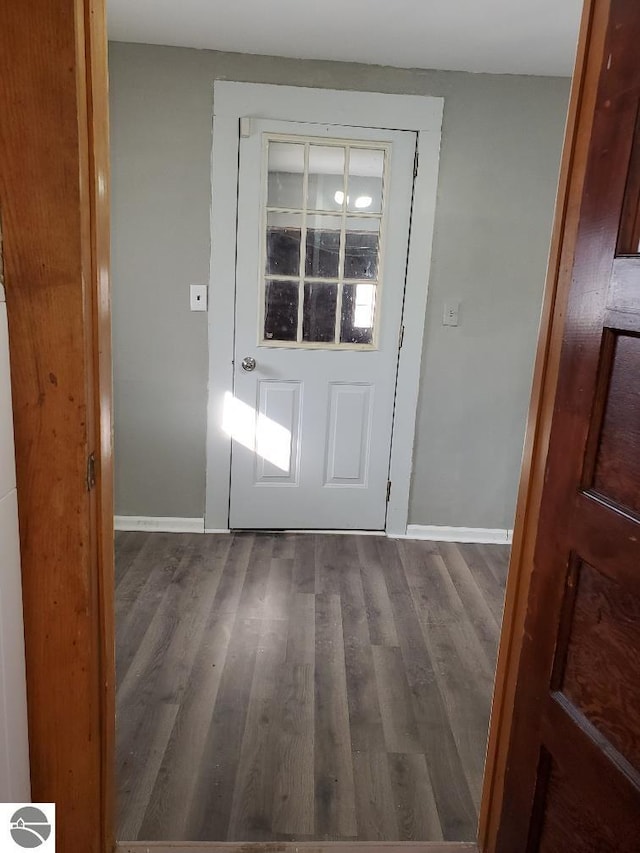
[14,748]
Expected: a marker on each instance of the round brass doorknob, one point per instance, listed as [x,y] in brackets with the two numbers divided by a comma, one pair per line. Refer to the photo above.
[248,363]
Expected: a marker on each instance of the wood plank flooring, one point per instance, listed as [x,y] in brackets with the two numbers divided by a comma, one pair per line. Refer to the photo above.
[301,687]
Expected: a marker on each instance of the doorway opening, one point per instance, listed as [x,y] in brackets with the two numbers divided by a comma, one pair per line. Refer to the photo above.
[277,685]
[68,635]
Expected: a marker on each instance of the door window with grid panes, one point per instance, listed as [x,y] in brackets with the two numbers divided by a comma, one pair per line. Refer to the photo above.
[323,226]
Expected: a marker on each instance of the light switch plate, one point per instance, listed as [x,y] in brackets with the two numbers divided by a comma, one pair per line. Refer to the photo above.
[198,297]
[451,312]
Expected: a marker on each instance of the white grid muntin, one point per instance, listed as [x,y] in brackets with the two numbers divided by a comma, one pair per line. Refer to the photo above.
[345,216]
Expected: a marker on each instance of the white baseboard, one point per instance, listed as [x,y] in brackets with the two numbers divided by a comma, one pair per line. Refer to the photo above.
[434,533]
[477,535]
[159,524]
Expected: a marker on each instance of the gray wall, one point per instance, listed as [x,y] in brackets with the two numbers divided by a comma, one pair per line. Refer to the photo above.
[501,145]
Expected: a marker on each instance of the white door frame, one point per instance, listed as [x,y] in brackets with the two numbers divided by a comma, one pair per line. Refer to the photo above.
[233,101]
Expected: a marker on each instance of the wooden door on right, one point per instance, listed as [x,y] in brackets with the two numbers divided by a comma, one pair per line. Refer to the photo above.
[573,772]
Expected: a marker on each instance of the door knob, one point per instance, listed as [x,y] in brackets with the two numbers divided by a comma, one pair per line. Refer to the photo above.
[248,363]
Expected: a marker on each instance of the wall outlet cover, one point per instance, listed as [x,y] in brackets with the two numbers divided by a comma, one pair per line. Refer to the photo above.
[198,297]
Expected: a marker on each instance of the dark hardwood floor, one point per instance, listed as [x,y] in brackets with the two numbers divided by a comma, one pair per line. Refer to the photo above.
[303,687]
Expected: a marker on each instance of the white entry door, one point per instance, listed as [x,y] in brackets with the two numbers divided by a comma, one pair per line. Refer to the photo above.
[323,227]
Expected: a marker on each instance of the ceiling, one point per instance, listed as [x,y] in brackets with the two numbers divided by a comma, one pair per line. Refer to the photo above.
[494,36]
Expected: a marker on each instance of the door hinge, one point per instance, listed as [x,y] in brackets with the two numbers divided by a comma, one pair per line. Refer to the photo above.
[388,490]
[416,164]
[91,471]
[246,127]
[401,337]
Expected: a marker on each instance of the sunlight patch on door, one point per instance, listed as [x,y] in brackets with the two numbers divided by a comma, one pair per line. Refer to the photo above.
[269,440]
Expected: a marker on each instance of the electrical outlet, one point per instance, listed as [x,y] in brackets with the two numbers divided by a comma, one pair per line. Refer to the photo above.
[198,297]
[451,311]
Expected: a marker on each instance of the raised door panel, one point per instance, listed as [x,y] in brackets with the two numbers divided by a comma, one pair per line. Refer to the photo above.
[277,432]
[568,825]
[349,434]
[617,463]
[629,238]
[598,666]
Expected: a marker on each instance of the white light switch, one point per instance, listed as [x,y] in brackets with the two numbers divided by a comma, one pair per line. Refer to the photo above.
[451,311]
[198,297]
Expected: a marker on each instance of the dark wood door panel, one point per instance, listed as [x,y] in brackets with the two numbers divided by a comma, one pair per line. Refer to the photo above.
[629,238]
[617,451]
[569,826]
[604,790]
[622,321]
[597,770]
[607,538]
[573,778]
[625,282]
[599,670]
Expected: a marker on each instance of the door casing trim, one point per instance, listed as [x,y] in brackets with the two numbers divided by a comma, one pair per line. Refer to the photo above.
[234,101]
[534,460]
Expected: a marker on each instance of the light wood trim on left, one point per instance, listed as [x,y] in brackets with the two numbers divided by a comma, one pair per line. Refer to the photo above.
[54,203]
[98,147]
